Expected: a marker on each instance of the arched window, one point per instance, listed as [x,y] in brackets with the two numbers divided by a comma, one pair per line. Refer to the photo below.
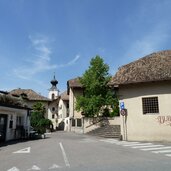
[53,96]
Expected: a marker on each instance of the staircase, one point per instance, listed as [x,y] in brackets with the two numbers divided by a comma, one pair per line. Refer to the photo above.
[107,131]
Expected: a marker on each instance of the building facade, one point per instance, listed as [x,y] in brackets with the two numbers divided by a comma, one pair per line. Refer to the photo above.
[14,118]
[30,97]
[63,112]
[144,91]
[53,105]
[76,119]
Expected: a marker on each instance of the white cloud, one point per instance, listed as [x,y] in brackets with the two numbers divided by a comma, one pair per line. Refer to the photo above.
[40,61]
[73,61]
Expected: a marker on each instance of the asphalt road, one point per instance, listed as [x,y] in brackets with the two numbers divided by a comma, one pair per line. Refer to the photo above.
[62,151]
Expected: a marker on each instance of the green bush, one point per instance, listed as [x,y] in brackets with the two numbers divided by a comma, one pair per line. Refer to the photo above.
[38,120]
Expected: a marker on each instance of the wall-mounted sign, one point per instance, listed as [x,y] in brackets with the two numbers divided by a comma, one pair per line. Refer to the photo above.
[122,105]
[123,112]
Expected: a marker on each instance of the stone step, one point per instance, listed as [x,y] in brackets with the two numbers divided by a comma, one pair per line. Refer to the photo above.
[107,131]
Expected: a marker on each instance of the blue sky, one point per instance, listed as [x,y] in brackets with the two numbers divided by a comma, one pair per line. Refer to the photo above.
[40,37]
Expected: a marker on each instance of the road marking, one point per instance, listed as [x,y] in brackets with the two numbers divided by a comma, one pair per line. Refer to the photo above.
[158,148]
[127,143]
[168,155]
[64,155]
[24,150]
[162,151]
[154,148]
[148,146]
[54,166]
[13,169]
[141,144]
[113,141]
[34,167]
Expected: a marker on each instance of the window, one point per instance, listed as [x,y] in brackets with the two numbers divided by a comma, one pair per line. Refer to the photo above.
[53,109]
[73,122]
[79,123]
[11,122]
[53,96]
[53,116]
[150,105]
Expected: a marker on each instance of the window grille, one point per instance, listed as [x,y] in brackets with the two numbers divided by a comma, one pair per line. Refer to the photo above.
[79,123]
[150,105]
[73,122]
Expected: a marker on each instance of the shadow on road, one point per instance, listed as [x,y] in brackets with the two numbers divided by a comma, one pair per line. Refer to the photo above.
[12,142]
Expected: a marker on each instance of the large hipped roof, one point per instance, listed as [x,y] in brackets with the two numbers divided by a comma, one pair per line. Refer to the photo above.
[153,67]
[31,95]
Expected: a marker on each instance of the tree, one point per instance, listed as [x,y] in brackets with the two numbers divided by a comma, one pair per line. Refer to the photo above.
[38,120]
[98,98]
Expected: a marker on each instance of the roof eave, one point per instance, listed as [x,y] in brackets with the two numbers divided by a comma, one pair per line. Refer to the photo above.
[138,82]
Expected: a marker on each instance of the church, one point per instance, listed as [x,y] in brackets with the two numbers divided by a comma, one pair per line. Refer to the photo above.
[58,108]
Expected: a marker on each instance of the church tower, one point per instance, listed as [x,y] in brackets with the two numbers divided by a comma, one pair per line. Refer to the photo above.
[53,91]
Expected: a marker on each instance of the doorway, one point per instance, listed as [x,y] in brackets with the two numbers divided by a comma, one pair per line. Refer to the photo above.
[3,127]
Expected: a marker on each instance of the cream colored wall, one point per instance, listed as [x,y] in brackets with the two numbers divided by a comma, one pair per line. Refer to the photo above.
[74,92]
[149,127]
[77,92]
[62,109]
[71,103]
[50,112]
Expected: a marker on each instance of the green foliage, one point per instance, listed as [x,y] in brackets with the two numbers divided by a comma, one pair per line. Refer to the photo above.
[38,120]
[98,98]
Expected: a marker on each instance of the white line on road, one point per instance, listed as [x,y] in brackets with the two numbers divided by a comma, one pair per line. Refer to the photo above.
[127,143]
[54,166]
[148,146]
[113,141]
[130,145]
[13,169]
[158,148]
[168,155]
[162,151]
[24,150]
[64,155]
[34,167]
